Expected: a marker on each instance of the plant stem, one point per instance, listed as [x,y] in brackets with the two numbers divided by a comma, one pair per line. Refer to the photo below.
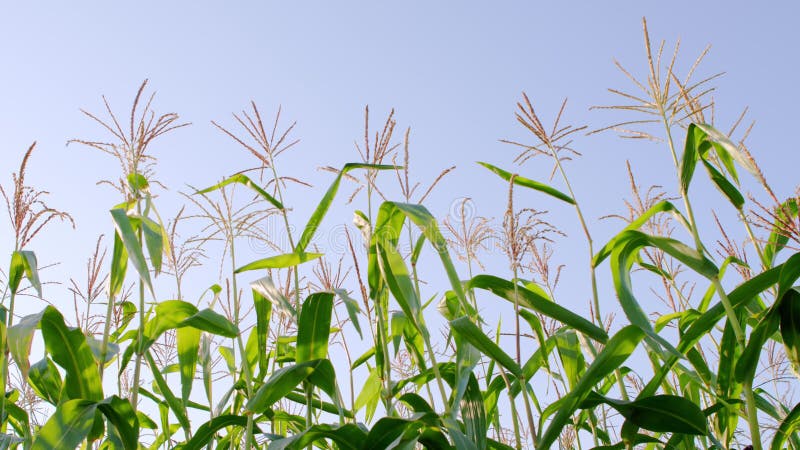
[6,354]
[521,379]
[595,297]
[140,335]
[245,363]
[106,334]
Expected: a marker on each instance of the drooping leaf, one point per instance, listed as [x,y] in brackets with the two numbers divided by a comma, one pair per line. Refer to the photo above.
[480,341]
[244,180]
[526,182]
[266,288]
[659,413]
[205,433]
[529,299]
[347,437]
[283,381]
[279,261]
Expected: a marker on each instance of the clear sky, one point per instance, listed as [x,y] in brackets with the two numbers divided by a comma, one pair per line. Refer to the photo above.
[453,71]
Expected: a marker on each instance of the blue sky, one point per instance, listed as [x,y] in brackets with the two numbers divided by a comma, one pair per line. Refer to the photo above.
[452,71]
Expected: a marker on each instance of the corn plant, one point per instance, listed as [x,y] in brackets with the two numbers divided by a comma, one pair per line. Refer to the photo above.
[301,350]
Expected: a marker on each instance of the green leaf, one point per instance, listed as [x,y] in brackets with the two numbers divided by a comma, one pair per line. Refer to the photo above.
[20,338]
[777,240]
[691,153]
[16,270]
[726,187]
[31,270]
[397,277]
[69,349]
[313,327]
[154,241]
[283,381]
[119,266]
[322,208]
[137,182]
[205,433]
[787,428]
[738,297]
[263,308]
[120,413]
[346,437]
[67,427]
[23,262]
[266,288]
[616,351]
[188,343]
[387,429]
[625,254]
[726,149]
[661,207]
[389,228]
[127,234]
[45,379]
[169,397]
[473,414]
[526,182]
[352,309]
[212,322]
[747,363]
[659,413]
[370,393]
[279,261]
[243,179]
[789,311]
[569,351]
[478,339]
[534,301]
[178,313]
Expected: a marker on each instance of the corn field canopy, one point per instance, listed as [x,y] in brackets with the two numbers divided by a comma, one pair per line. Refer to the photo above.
[283,305]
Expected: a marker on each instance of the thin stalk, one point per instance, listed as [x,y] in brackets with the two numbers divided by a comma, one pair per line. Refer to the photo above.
[286,224]
[386,376]
[590,242]
[387,370]
[140,335]
[514,415]
[436,370]
[106,334]
[245,363]
[521,380]
[6,352]
[595,297]
[349,364]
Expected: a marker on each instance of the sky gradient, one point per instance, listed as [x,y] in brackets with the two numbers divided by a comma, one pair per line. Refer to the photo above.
[453,72]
